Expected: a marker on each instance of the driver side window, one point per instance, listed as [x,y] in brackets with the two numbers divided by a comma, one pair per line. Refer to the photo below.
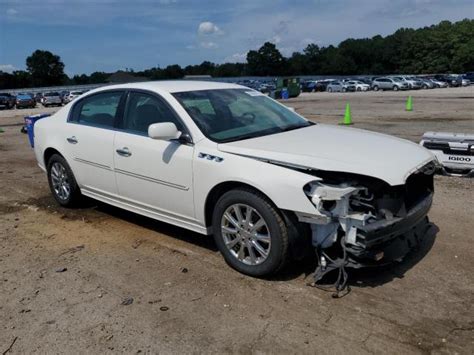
[144,110]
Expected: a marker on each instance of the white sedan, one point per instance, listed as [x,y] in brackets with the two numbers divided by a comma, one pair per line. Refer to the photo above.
[359,85]
[226,160]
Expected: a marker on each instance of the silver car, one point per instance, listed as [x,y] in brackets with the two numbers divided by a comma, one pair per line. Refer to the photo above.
[389,84]
[340,86]
[52,99]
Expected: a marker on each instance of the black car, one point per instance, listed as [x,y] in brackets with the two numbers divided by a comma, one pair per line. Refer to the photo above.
[25,101]
[451,80]
[469,76]
[7,100]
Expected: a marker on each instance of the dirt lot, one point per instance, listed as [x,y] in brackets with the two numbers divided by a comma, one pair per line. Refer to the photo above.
[65,274]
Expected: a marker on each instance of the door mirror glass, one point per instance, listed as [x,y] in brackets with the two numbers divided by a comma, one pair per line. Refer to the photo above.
[163,131]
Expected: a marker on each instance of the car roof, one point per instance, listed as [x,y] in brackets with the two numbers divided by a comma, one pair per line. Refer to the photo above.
[172,86]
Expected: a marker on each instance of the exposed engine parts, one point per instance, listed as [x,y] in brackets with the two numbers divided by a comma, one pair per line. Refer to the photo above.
[362,222]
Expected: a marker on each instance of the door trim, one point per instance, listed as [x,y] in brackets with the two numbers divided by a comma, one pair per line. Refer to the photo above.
[150,179]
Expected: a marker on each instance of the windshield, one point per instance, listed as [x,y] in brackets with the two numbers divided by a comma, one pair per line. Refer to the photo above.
[227,115]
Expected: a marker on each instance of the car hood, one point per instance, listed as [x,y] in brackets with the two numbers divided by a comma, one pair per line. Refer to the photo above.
[341,149]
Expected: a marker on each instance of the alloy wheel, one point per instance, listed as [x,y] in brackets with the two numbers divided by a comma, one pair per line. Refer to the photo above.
[60,181]
[246,234]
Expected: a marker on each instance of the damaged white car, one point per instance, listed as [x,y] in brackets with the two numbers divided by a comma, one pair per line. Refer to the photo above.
[226,160]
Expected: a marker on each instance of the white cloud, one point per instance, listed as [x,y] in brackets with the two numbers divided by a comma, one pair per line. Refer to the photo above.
[208,28]
[12,12]
[236,58]
[275,39]
[209,45]
[7,68]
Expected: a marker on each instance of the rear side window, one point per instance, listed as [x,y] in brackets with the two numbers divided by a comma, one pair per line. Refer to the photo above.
[98,110]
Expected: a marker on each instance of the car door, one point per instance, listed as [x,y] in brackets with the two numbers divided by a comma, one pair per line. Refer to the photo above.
[90,136]
[153,174]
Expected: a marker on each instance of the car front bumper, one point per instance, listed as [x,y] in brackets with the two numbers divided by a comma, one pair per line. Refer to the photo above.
[386,241]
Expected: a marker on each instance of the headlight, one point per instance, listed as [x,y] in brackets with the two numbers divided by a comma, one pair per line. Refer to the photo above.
[331,200]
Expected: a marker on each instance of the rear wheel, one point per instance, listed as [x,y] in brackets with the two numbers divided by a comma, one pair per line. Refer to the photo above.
[62,182]
[250,233]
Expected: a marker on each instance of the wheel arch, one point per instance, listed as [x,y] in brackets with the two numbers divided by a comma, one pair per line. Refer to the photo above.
[48,153]
[217,191]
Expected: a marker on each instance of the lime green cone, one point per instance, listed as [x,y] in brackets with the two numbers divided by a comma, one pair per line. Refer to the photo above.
[347,116]
[409,105]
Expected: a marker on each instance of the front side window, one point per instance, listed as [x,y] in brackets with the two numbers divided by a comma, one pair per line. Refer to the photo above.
[144,110]
[226,115]
[98,110]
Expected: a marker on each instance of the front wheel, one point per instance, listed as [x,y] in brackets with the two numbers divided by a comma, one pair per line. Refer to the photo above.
[62,182]
[250,233]
[395,88]
[329,89]
[376,88]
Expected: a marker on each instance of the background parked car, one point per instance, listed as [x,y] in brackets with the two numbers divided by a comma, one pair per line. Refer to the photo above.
[39,97]
[469,76]
[74,94]
[308,86]
[389,84]
[465,82]
[339,86]
[25,101]
[427,83]
[7,101]
[359,85]
[451,80]
[413,83]
[64,96]
[438,83]
[52,99]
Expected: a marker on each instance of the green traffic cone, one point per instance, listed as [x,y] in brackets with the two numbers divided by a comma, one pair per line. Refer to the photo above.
[347,116]
[409,105]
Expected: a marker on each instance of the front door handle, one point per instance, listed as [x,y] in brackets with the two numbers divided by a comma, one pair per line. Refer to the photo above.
[124,152]
[72,140]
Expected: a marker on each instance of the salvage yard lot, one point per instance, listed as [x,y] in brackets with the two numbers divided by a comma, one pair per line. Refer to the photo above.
[98,279]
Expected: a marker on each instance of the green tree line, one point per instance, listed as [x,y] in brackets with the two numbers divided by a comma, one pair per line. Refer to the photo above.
[443,48]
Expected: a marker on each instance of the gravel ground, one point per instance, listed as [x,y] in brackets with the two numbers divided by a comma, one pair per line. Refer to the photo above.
[101,280]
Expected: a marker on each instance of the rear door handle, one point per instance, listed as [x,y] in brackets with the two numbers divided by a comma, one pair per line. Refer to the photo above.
[124,152]
[72,140]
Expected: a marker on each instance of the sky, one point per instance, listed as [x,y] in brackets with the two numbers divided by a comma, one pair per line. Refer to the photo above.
[109,35]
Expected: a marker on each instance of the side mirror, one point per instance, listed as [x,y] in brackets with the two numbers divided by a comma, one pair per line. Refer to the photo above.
[163,131]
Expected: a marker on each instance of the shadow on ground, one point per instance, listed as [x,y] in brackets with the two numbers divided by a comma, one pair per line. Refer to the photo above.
[92,210]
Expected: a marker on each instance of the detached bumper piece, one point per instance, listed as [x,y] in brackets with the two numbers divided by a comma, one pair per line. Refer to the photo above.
[455,152]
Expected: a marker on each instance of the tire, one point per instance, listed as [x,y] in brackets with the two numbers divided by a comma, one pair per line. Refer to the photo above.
[376,88]
[395,88]
[60,174]
[344,89]
[329,89]
[274,231]
[358,89]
